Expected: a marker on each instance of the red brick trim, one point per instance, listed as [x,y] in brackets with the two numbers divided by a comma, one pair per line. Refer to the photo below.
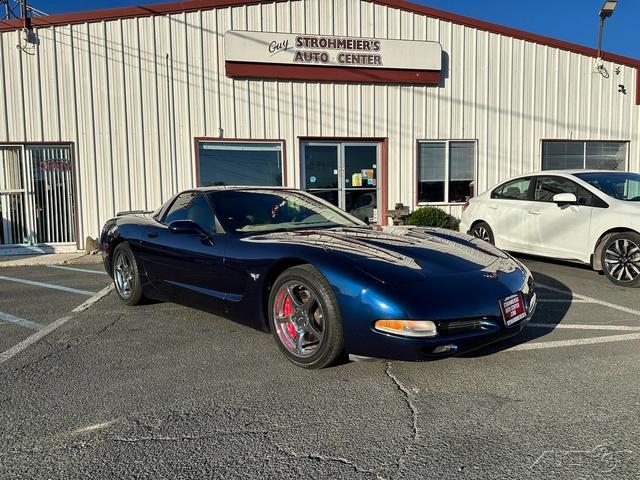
[337,74]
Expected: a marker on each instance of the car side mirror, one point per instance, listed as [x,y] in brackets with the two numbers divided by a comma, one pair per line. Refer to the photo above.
[565,199]
[186,227]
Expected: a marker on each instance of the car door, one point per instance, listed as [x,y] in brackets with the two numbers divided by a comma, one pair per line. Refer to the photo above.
[187,267]
[559,230]
[505,212]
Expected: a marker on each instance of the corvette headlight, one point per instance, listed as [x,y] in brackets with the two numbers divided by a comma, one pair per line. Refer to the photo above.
[407,328]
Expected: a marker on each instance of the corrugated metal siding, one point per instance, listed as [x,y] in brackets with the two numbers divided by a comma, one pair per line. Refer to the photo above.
[131,94]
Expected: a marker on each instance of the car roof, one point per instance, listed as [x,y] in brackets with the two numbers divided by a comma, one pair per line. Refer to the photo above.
[573,172]
[557,172]
[238,187]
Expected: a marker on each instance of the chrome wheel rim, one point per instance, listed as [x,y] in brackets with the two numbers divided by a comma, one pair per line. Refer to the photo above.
[481,233]
[298,319]
[622,260]
[123,274]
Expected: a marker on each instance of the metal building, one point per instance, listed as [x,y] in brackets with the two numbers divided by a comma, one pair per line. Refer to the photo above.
[367,103]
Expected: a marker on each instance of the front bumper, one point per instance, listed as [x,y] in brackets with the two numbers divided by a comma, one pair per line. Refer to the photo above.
[394,347]
[470,318]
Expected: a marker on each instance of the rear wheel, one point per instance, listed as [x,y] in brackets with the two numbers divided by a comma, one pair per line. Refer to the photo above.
[126,276]
[483,231]
[305,318]
[621,259]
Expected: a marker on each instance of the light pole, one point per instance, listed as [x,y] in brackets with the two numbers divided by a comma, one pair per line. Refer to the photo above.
[605,12]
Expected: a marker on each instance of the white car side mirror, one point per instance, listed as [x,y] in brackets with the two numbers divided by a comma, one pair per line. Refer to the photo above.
[565,198]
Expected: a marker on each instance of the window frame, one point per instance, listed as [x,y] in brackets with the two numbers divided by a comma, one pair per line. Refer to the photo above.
[530,191]
[553,176]
[584,151]
[447,143]
[597,200]
[162,217]
[198,140]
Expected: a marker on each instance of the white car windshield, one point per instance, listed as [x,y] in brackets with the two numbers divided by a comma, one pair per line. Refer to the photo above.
[619,185]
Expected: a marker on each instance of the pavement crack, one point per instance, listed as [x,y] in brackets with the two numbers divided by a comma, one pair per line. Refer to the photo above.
[406,395]
[71,343]
[44,358]
[326,458]
[109,325]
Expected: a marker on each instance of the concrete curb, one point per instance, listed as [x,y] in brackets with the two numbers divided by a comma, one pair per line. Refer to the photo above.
[76,258]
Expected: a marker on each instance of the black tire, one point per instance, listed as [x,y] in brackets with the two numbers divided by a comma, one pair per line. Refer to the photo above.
[620,259]
[127,281]
[483,231]
[306,282]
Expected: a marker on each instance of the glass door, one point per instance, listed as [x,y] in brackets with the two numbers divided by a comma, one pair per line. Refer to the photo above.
[361,181]
[321,171]
[50,185]
[345,174]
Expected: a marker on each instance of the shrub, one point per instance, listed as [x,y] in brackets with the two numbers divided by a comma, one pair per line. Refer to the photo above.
[432,217]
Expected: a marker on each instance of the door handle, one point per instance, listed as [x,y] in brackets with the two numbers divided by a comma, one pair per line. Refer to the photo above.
[152,234]
[534,212]
[493,207]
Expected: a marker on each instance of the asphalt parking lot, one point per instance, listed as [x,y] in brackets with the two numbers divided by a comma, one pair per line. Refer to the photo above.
[164,391]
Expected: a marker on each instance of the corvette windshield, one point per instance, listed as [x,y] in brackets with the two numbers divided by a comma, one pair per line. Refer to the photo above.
[244,211]
[619,185]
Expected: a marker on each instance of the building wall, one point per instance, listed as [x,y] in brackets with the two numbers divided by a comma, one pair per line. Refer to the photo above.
[132,94]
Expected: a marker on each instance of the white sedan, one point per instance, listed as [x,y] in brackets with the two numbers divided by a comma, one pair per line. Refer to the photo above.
[590,216]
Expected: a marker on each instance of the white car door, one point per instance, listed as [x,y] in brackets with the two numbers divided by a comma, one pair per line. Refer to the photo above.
[505,212]
[559,230]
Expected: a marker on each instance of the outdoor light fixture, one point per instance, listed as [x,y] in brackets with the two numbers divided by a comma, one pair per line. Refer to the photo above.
[608,8]
[605,12]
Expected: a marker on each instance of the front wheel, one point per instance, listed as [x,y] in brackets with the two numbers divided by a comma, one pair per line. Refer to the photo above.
[483,231]
[621,259]
[305,318]
[126,276]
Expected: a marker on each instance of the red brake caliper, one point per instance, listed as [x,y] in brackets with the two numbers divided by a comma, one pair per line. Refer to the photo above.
[287,310]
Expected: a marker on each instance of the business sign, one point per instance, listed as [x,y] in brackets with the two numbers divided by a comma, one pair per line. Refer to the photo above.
[322,57]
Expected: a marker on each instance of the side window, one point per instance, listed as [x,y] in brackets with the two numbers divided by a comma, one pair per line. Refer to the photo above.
[547,187]
[513,190]
[200,212]
[178,210]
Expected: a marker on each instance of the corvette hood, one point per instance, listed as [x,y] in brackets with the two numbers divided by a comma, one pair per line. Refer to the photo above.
[404,254]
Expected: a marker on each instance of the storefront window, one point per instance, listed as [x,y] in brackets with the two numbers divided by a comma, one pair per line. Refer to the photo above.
[446,171]
[239,163]
[567,155]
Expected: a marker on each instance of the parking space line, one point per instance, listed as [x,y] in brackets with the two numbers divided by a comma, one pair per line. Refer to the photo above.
[4,356]
[574,342]
[586,299]
[7,317]
[87,303]
[47,285]
[574,326]
[73,269]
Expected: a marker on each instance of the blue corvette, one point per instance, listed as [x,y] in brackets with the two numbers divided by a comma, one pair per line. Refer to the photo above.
[323,282]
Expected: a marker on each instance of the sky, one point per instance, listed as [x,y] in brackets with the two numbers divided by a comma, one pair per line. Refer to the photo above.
[572,20]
